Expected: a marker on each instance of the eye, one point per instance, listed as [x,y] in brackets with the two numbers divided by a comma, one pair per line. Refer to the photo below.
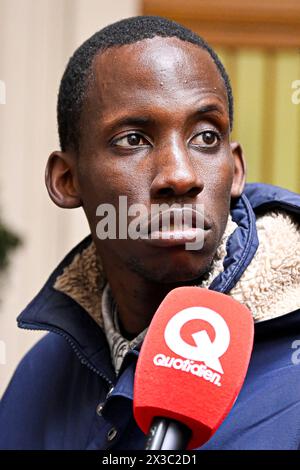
[206,139]
[130,140]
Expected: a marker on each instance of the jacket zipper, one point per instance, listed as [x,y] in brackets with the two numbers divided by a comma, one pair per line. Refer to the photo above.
[81,357]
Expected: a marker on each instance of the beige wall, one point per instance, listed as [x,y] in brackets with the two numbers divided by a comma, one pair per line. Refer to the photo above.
[36,39]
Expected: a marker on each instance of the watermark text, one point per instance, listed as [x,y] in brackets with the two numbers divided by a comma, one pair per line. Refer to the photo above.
[296,93]
[2,92]
[160,224]
[296,353]
[2,353]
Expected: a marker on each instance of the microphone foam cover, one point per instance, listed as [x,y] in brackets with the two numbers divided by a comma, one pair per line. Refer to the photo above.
[193,361]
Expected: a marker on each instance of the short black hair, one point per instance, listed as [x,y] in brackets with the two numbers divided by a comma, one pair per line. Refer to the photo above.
[76,77]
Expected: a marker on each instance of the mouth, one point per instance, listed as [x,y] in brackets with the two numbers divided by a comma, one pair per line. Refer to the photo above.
[175,227]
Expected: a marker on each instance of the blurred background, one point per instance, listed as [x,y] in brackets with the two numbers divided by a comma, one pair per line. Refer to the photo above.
[259,43]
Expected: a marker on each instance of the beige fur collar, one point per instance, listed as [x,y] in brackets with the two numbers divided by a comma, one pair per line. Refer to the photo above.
[270,286]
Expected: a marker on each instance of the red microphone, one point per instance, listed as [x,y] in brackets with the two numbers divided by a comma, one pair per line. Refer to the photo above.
[191,367]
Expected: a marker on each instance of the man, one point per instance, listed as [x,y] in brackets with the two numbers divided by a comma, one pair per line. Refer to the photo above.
[145,111]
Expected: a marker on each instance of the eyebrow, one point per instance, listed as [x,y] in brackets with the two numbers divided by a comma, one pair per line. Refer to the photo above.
[210,108]
[147,120]
[129,121]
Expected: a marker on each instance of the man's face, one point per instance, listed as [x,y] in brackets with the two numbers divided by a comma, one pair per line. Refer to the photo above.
[155,128]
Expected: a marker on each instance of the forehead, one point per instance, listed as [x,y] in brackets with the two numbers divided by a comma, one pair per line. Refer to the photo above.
[162,71]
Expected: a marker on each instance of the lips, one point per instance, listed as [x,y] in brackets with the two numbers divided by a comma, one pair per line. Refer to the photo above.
[175,226]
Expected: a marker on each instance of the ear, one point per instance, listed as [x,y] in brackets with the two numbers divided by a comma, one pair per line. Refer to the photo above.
[61,180]
[239,176]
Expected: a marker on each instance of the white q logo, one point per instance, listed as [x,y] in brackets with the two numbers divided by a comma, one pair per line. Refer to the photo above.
[206,350]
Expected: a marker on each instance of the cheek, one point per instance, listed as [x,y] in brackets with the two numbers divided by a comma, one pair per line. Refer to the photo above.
[222,179]
[218,190]
[102,182]
[223,192]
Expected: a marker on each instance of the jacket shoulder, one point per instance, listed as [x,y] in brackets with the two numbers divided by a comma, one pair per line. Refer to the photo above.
[47,357]
[41,394]
[266,197]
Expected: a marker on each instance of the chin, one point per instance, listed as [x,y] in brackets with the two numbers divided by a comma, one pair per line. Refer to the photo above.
[182,276]
[180,269]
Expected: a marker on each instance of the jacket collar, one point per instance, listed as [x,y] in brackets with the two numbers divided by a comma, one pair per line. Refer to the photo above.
[241,246]
[56,312]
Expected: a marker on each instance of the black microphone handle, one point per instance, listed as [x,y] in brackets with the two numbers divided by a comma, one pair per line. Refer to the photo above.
[167,434]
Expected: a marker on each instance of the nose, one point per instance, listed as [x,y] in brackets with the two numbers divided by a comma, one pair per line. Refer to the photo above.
[175,173]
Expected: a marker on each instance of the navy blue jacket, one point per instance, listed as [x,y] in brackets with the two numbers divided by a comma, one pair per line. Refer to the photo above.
[65,395]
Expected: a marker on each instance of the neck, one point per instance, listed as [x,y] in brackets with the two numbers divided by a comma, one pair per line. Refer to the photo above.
[136,297]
